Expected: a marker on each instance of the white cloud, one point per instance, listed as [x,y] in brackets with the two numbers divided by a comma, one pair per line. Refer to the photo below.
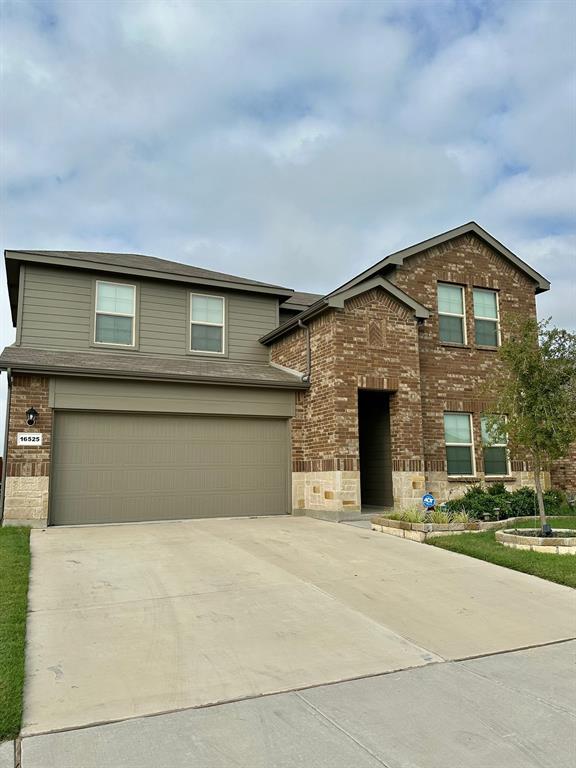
[295,142]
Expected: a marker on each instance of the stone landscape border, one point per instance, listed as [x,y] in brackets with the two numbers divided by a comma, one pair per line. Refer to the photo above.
[422,531]
[550,545]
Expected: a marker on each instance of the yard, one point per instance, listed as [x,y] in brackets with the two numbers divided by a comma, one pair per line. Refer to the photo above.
[14,568]
[558,568]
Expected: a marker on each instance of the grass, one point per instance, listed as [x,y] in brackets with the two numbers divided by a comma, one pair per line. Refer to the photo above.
[14,569]
[558,568]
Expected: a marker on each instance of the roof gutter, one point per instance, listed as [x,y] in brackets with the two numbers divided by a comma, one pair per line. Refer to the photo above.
[98,266]
[5,454]
[308,375]
[294,322]
[131,375]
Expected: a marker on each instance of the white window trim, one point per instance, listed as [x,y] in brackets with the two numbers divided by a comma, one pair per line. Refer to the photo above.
[492,319]
[115,314]
[213,325]
[461,445]
[454,314]
[496,445]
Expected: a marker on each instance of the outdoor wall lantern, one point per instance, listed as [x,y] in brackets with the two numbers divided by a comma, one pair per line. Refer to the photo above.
[31,416]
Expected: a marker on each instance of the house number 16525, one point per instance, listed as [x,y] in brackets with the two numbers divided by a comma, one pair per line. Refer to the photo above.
[29,438]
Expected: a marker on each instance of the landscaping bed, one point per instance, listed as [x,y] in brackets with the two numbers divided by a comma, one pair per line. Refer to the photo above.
[483,546]
[561,542]
[14,570]
[422,531]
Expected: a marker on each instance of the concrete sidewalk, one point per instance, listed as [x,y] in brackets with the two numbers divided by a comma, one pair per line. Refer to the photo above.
[515,709]
[7,754]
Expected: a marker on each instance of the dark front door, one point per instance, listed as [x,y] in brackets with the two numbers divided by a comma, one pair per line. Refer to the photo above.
[375,448]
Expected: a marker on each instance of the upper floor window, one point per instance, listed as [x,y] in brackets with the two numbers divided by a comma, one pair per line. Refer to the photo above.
[486,317]
[207,323]
[451,313]
[115,313]
[495,445]
[459,444]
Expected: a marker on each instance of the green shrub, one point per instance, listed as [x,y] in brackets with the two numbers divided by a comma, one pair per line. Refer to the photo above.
[520,503]
[523,502]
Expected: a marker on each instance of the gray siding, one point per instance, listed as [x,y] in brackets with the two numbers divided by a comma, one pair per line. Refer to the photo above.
[285,315]
[71,393]
[56,309]
[58,306]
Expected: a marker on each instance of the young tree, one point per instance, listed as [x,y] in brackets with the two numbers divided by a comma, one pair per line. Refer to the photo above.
[537,393]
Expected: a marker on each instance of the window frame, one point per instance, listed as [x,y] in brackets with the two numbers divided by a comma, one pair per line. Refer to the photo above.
[460,445]
[462,288]
[223,325]
[495,445]
[97,312]
[491,319]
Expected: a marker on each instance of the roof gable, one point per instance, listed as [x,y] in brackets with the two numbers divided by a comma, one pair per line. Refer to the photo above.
[338,298]
[388,263]
[398,258]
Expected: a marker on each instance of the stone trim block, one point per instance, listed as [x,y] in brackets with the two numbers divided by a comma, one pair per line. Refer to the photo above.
[26,501]
[545,544]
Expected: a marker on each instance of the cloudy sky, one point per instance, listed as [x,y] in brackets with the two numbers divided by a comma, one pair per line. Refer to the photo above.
[295,142]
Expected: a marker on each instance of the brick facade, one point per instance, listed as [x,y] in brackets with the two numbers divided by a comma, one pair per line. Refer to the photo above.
[372,344]
[376,343]
[563,474]
[28,467]
[458,378]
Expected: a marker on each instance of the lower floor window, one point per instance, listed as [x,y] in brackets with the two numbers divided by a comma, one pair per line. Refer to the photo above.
[459,443]
[494,445]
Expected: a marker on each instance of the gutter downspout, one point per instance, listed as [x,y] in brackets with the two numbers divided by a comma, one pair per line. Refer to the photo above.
[5,454]
[307,376]
[419,324]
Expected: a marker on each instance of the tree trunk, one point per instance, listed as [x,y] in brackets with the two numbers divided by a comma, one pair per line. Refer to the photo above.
[539,495]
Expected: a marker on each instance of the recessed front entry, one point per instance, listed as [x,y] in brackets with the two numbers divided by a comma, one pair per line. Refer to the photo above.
[375,448]
[126,467]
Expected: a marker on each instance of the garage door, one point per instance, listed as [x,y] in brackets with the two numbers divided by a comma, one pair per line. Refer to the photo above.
[119,467]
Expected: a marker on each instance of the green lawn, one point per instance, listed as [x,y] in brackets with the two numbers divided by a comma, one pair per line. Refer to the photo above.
[14,568]
[558,568]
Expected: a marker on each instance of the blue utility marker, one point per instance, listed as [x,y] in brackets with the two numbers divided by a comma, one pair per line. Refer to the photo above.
[428,500]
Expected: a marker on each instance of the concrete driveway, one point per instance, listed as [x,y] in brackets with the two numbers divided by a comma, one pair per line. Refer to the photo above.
[139,619]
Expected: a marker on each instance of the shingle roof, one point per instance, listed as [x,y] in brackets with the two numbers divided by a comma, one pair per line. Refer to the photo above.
[135,366]
[150,263]
[302,299]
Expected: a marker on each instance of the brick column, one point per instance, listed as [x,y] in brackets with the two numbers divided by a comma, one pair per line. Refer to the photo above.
[28,466]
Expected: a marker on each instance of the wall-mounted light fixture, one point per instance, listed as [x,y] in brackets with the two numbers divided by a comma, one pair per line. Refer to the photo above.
[31,416]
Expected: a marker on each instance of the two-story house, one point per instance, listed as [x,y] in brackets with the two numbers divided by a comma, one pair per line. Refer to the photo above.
[145,389]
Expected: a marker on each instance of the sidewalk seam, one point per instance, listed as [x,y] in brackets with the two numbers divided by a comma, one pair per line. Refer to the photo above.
[341,729]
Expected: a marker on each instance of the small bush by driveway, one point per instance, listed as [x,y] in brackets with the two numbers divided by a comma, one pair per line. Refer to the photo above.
[14,569]
[558,568]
